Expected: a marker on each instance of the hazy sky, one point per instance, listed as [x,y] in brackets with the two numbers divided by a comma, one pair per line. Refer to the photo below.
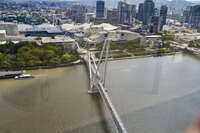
[168,0]
[192,0]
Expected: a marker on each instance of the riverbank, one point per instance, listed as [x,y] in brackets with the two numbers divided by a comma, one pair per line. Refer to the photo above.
[44,67]
[12,72]
[142,56]
[192,52]
[117,54]
[79,62]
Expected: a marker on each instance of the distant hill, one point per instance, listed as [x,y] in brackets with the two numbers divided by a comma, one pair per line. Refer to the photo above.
[113,3]
[180,3]
[173,3]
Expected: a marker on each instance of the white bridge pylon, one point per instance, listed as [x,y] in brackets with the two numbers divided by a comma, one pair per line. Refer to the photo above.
[94,66]
[97,82]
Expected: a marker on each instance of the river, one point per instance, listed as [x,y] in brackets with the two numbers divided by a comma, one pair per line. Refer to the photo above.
[152,95]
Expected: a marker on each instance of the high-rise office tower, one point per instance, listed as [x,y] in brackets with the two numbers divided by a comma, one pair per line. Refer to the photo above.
[148,11]
[194,18]
[100,9]
[155,24]
[186,14]
[127,12]
[122,7]
[131,13]
[140,12]
[113,16]
[78,13]
[156,12]
[163,15]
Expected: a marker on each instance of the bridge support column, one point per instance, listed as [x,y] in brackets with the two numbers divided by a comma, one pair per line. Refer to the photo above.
[93,90]
[93,84]
[93,76]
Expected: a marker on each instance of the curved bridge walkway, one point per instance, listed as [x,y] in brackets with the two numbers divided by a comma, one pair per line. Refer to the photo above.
[97,86]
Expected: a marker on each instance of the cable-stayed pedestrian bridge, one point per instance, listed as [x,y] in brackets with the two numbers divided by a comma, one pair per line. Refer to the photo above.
[97,82]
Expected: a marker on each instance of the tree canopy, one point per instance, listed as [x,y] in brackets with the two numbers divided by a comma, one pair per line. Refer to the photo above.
[26,54]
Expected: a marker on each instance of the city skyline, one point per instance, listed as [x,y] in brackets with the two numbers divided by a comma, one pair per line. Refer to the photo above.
[84,67]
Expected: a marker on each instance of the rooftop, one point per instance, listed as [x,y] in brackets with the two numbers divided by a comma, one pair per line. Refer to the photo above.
[72,26]
[57,39]
[43,27]
[107,26]
[40,29]
[2,32]
[154,36]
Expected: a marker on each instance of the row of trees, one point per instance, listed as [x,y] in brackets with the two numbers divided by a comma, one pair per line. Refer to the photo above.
[26,54]
[166,37]
[194,43]
[129,45]
[19,19]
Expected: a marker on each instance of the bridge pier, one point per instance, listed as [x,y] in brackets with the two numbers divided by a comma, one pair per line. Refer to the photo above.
[93,90]
[93,82]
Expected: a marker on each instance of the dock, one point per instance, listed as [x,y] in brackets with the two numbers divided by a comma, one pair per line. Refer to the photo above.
[10,74]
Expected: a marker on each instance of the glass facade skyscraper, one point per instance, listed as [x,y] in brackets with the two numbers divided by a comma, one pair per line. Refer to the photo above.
[100,9]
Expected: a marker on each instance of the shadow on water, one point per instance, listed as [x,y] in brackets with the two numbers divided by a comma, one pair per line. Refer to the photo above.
[173,116]
[101,111]
[105,125]
[157,76]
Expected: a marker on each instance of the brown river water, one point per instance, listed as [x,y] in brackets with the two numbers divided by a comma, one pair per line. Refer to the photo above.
[152,95]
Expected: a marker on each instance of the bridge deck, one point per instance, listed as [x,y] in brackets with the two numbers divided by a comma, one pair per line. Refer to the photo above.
[119,124]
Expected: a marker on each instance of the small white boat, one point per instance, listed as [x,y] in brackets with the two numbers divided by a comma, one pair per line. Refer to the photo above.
[24,76]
